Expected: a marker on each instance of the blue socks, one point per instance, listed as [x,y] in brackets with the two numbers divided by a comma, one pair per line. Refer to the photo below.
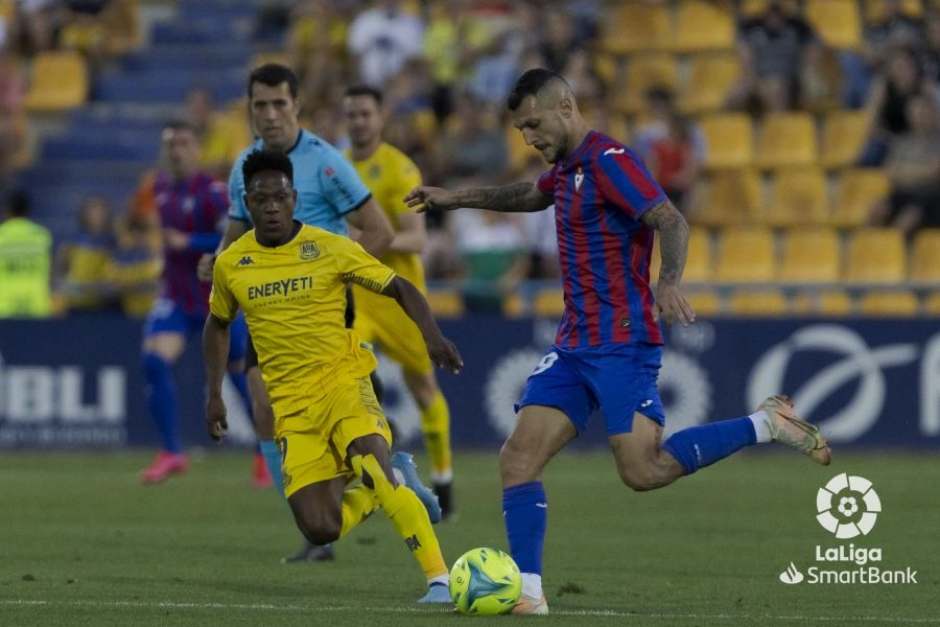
[272,458]
[161,400]
[697,447]
[240,381]
[525,511]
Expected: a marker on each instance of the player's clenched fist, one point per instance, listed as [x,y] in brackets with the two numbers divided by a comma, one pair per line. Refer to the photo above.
[423,199]
[204,269]
[215,417]
[445,355]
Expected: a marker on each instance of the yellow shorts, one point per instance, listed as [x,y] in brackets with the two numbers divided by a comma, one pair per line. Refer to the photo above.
[313,445]
[379,320]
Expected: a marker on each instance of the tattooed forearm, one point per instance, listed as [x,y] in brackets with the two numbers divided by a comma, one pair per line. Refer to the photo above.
[673,240]
[508,198]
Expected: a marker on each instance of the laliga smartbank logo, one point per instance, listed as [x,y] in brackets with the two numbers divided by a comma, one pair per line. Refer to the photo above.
[847,507]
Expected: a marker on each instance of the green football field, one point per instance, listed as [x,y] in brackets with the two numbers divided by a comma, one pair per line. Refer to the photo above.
[83,544]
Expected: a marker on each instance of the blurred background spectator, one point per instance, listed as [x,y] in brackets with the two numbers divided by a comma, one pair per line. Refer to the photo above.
[25,255]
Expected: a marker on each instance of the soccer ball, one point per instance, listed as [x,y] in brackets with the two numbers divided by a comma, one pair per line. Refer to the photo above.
[486,582]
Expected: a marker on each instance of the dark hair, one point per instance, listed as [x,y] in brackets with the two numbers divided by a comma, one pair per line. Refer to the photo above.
[530,84]
[272,75]
[179,124]
[18,203]
[660,93]
[364,90]
[267,160]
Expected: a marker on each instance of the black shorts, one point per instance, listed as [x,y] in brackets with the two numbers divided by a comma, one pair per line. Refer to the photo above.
[251,357]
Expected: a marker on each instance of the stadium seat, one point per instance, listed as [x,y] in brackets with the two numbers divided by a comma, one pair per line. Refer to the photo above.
[729,198]
[857,192]
[745,255]
[843,136]
[925,260]
[515,306]
[932,304]
[704,302]
[711,77]
[875,9]
[787,139]
[810,256]
[644,72]
[698,263]
[702,25]
[888,303]
[59,81]
[836,21]
[730,140]
[799,197]
[446,303]
[750,8]
[634,26]
[549,303]
[824,303]
[770,302]
[876,256]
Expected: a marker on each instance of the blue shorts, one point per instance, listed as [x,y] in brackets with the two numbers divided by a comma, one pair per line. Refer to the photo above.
[619,380]
[167,316]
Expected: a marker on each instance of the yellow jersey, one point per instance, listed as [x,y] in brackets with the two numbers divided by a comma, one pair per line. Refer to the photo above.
[294,299]
[25,251]
[390,175]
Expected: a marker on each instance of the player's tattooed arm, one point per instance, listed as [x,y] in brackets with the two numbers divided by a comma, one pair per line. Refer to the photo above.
[215,344]
[516,197]
[673,243]
[442,351]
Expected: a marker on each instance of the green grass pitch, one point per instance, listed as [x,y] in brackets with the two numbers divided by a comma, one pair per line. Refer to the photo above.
[83,544]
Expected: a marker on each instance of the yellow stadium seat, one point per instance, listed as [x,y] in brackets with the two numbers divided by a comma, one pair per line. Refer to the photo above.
[745,255]
[757,303]
[59,81]
[729,139]
[698,263]
[644,72]
[810,256]
[787,139]
[826,303]
[514,306]
[876,256]
[711,77]
[925,260]
[751,8]
[549,303]
[857,192]
[704,302]
[634,26]
[729,198]
[799,197]
[702,25]
[932,304]
[446,303]
[836,21]
[875,9]
[843,136]
[888,303]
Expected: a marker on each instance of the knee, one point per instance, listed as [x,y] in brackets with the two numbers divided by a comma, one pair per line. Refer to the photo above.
[516,463]
[639,477]
[319,527]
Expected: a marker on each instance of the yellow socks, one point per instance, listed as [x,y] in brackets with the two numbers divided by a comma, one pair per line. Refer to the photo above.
[435,424]
[358,503]
[407,514]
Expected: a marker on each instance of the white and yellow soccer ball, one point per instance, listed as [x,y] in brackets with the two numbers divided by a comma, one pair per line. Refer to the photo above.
[485,582]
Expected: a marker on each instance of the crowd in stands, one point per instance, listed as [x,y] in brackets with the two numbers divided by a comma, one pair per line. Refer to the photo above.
[778,114]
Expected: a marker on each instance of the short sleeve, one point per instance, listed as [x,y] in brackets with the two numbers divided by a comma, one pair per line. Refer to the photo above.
[626,183]
[546,182]
[236,194]
[222,303]
[340,183]
[359,267]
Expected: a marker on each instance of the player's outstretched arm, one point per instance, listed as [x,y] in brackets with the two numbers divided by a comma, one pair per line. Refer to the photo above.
[235,229]
[517,197]
[442,351]
[674,244]
[215,342]
[375,231]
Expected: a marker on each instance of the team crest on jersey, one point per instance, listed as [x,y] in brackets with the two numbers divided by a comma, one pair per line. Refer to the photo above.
[578,179]
[309,250]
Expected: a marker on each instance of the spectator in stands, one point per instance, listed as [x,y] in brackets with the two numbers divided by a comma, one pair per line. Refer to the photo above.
[12,118]
[887,106]
[580,75]
[25,251]
[473,144]
[35,23]
[136,265]
[83,262]
[558,39]
[776,50]
[382,39]
[539,237]
[914,169]
[492,251]
[495,71]
[932,49]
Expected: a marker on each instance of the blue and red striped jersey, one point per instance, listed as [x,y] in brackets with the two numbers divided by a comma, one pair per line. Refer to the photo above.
[195,206]
[601,190]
